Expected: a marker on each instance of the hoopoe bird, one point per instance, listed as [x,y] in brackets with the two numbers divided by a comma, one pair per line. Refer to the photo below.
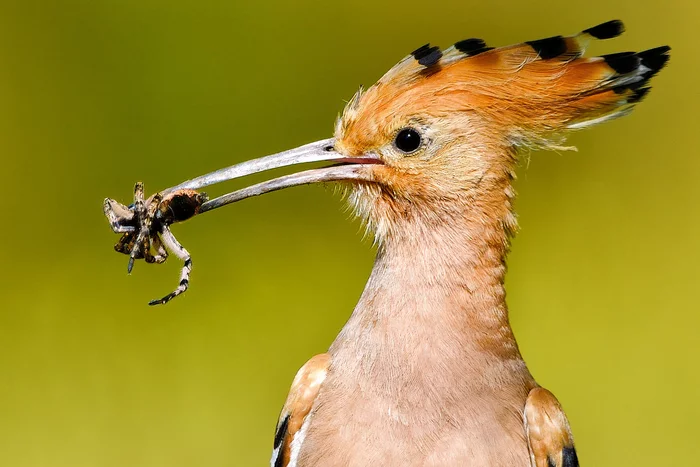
[427,372]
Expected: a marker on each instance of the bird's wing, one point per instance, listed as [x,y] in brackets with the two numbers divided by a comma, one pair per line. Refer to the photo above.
[548,433]
[293,420]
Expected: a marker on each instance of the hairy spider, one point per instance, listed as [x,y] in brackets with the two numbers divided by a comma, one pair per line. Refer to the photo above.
[145,226]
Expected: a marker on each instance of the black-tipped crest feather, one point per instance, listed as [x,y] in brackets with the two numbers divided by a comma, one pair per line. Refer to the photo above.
[549,48]
[472,47]
[622,62]
[655,59]
[606,30]
[427,55]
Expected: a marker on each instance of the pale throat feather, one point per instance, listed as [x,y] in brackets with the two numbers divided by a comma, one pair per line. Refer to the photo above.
[458,322]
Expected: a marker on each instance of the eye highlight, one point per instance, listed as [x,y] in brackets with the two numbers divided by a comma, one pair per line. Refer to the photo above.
[408,140]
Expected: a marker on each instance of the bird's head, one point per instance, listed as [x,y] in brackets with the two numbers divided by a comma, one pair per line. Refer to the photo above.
[437,136]
[439,148]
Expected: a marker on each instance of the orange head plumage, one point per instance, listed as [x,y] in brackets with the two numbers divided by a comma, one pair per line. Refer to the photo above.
[471,107]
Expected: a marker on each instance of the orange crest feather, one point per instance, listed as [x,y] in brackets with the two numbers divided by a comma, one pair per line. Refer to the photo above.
[527,93]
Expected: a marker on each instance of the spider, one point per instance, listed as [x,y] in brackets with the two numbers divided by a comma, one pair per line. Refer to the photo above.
[145,226]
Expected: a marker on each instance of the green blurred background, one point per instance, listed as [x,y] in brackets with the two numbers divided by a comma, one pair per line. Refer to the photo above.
[95,95]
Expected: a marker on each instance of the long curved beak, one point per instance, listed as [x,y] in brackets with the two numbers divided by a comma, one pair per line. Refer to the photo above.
[346,168]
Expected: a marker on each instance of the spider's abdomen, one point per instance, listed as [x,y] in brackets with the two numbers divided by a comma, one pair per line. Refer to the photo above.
[180,206]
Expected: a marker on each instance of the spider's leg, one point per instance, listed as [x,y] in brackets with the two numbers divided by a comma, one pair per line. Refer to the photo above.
[139,206]
[119,216]
[124,243]
[147,250]
[140,212]
[178,250]
[136,251]
[146,225]
[161,253]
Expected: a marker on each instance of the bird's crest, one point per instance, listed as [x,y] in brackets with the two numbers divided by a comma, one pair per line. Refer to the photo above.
[527,92]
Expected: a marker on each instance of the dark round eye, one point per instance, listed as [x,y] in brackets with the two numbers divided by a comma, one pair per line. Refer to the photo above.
[408,140]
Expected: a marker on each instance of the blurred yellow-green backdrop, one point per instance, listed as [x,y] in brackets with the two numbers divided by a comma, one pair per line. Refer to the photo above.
[96,94]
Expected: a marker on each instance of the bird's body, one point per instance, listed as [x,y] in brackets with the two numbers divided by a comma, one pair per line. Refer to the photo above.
[443,385]
[427,372]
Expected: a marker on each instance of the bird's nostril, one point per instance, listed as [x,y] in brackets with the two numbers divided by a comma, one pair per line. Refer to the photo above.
[329,148]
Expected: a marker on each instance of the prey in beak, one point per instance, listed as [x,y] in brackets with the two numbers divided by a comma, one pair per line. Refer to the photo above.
[431,148]
[145,224]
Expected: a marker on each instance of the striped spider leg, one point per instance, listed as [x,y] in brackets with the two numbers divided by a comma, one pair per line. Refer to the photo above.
[161,253]
[120,217]
[178,250]
[144,217]
[122,220]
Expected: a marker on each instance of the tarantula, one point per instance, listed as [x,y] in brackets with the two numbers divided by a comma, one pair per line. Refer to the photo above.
[145,226]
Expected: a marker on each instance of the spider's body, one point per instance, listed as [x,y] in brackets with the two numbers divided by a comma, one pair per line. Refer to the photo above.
[146,229]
